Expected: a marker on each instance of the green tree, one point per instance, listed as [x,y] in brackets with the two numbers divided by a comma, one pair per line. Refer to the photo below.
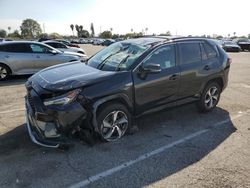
[106,34]
[15,34]
[248,36]
[92,30]
[54,35]
[72,28]
[84,34]
[30,28]
[9,28]
[3,33]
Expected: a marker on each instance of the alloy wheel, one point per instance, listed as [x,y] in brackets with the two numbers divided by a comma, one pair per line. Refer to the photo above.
[3,72]
[114,125]
[211,97]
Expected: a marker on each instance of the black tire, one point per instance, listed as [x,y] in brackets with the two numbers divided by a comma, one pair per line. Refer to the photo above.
[104,114]
[206,105]
[4,71]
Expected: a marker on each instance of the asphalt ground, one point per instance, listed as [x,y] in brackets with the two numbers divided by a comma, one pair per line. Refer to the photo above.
[173,148]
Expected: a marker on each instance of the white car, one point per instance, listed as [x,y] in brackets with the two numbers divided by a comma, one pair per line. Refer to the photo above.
[62,47]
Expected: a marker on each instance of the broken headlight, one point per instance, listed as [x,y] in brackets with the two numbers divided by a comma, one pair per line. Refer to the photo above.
[63,99]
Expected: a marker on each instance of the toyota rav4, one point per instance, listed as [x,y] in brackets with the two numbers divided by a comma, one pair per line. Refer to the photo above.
[128,79]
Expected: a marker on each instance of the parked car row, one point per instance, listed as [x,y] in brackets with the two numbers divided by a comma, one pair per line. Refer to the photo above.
[28,57]
[236,45]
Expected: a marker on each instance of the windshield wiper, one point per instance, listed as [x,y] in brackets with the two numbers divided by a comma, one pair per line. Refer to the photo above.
[123,61]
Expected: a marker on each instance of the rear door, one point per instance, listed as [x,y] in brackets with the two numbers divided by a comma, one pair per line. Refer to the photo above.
[18,57]
[154,90]
[195,68]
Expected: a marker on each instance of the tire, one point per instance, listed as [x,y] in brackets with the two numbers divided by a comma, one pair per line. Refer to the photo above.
[110,130]
[4,72]
[210,97]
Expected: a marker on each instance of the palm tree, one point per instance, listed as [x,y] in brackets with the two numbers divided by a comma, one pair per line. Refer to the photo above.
[131,30]
[146,29]
[80,27]
[77,29]
[234,33]
[9,28]
[72,28]
[111,29]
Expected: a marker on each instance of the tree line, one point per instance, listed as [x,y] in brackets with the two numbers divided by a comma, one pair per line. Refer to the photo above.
[31,29]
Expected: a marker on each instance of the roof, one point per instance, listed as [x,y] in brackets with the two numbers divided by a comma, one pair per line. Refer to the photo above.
[21,41]
[144,41]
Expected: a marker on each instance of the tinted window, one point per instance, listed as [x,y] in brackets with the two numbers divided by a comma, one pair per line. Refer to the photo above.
[16,48]
[190,52]
[60,45]
[165,56]
[210,51]
[52,44]
[36,48]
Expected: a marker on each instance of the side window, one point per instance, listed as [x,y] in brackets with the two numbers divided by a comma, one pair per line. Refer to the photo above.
[165,56]
[210,51]
[39,48]
[190,52]
[59,45]
[52,44]
[16,48]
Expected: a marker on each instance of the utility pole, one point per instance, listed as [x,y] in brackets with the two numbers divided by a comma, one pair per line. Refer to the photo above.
[43,27]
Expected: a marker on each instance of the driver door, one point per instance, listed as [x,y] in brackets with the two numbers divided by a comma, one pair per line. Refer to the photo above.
[156,89]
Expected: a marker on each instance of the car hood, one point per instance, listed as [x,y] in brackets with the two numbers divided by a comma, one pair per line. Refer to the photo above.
[244,42]
[232,45]
[70,76]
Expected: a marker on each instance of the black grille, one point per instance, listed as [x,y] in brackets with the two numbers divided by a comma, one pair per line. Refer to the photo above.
[31,102]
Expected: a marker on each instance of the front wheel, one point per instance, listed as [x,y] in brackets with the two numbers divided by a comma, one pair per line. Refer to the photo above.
[210,97]
[4,72]
[113,121]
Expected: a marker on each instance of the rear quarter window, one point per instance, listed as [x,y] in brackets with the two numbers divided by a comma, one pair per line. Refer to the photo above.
[209,50]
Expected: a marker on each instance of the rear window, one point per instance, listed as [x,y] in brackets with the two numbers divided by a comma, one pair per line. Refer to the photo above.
[190,52]
[15,48]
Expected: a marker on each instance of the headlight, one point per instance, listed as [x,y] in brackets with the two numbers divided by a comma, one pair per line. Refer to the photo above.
[63,99]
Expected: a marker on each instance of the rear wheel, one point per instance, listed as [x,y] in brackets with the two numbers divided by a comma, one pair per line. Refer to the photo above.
[4,72]
[114,121]
[210,97]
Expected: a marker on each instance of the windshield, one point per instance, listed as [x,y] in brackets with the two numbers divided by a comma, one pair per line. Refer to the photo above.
[117,57]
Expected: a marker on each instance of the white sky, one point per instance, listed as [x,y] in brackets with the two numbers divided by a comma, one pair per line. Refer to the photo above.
[184,17]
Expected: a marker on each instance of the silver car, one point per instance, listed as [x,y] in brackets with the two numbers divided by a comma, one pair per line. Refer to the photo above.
[62,47]
[25,57]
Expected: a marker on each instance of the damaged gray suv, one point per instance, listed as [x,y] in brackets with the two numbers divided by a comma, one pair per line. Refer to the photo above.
[123,81]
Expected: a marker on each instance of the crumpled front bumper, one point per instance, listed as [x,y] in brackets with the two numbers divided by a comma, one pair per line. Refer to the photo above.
[48,127]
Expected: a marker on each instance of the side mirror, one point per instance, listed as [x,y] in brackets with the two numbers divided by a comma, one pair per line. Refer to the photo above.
[54,52]
[151,68]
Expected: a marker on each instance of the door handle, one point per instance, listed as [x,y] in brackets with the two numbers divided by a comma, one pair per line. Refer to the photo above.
[38,56]
[173,77]
[207,67]
[7,56]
